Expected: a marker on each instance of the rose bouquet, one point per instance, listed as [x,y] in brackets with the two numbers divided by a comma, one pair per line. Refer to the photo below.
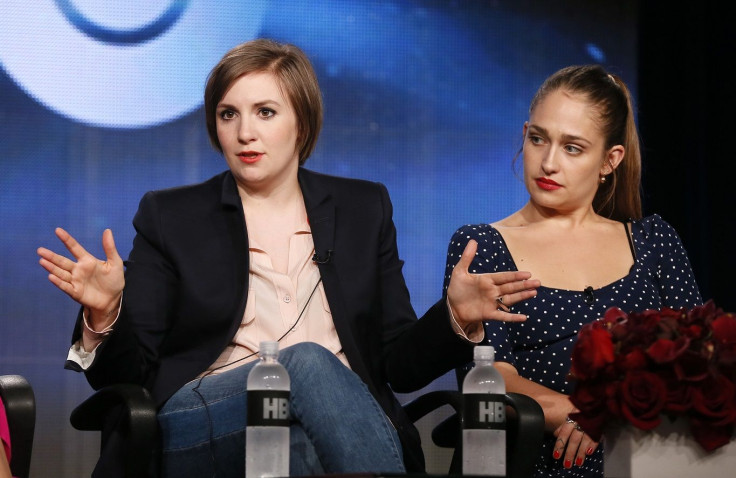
[639,368]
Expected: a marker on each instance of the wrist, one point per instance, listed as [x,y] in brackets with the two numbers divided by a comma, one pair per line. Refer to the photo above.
[111,309]
[98,320]
[472,331]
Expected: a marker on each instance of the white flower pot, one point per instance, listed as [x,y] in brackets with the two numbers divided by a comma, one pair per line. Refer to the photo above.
[667,451]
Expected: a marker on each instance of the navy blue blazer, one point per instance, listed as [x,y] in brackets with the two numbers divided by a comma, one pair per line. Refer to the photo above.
[187,278]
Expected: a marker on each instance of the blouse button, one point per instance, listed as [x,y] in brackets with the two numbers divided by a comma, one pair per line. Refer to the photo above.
[287,298]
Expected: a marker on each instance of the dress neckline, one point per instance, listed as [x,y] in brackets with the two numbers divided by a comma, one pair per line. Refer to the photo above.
[632,269]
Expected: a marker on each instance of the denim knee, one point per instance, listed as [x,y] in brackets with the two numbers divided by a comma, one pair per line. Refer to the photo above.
[307,353]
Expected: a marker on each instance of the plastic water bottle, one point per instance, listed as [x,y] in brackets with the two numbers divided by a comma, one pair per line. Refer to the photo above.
[484,417]
[267,430]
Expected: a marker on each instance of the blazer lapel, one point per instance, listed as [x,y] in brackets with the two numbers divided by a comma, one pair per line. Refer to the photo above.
[321,212]
[321,215]
[232,208]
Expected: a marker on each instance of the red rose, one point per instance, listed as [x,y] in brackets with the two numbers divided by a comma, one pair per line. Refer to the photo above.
[714,400]
[724,328]
[592,352]
[643,395]
[693,331]
[613,316]
[679,393]
[613,402]
[632,360]
[665,350]
[701,314]
[709,436]
[590,399]
[669,324]
[615,320]
[638,330]
[724,335]
[669,312]
[691,366]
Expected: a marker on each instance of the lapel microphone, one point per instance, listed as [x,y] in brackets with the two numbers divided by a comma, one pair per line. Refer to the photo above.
[320,259]
[588,296]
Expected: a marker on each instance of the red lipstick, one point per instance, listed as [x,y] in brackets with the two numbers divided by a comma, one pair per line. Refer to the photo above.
[547,184]
[250,157]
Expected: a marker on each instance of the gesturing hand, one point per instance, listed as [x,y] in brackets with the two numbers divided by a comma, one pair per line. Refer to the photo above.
[473,297]
[93,283]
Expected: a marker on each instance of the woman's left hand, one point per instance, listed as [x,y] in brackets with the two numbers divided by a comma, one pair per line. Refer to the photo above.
[478,297]
[572,443]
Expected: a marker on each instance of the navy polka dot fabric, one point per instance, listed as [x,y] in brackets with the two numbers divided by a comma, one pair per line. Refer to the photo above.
[540,347]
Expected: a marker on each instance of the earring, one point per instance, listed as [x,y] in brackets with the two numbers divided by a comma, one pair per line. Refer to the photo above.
[603,179]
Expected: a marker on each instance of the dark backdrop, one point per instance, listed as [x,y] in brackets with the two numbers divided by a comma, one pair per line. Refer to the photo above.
[686,120]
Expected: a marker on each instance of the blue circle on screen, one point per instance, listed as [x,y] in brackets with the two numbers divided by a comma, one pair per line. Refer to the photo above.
[152,71]
[122,36]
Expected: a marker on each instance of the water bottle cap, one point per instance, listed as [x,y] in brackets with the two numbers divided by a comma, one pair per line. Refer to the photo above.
[268,347]
[483,352]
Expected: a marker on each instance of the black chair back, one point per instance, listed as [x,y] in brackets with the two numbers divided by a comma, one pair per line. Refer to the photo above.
[20,406]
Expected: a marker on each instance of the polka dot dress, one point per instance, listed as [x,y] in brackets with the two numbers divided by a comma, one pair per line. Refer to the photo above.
[540,347]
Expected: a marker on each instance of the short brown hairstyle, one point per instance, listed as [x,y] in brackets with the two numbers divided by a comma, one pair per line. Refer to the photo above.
[295,76]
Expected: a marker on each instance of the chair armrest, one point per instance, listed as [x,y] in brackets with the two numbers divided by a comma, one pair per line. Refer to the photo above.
[92,414]
[447,433]
[525,429]
[529,424]
[20,406]
[126,416]
[431,401]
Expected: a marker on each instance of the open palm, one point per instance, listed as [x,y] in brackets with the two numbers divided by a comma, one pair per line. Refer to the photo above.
[93,283]
[473,296]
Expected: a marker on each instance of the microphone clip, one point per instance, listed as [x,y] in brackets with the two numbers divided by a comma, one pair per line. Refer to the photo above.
[588,296]
[317,258]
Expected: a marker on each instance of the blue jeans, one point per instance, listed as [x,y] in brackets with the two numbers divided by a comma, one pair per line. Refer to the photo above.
[337,425]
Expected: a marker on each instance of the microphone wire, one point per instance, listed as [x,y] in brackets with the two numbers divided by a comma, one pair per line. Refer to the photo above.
[199,382]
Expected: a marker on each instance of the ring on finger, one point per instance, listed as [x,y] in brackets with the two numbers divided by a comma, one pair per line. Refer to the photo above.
[575,424]
[500,304]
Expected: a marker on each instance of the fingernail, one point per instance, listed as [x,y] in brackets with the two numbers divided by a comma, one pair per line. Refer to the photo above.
[557,454]
[589,451]
[579,461]
[568,464]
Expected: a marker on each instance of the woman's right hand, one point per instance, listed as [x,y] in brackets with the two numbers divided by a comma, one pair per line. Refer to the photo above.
[95,284]
[572,444]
